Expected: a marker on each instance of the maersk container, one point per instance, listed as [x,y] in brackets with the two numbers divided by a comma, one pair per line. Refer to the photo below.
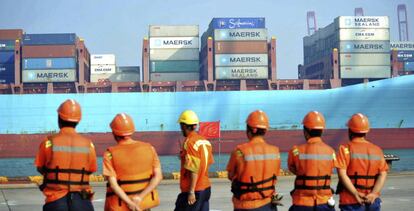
[361,59]
[46,51]
[102,68]
[174,66]
[173,31]
[242,72]
[51,75]
[365,71]
[103,59]
[409,66]
[48,63]
[402,45]
[241,60]
[240,34]
[364,47]
[6,57]
[364,34]
[49,39]
[237,47]
[6,69]
[235,23]
[174,42]
[174,54]
[405,56]
[192,76]
[362,22]
[7,45]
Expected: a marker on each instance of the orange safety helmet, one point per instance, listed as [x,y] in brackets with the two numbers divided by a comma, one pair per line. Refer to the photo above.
[122,125]
[358,123]
[314,120]
[70,111]
[258,119]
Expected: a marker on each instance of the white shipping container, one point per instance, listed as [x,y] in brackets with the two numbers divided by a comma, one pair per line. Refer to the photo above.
[97,69]
[240,34]
[103,59]
[174,54]
[241,72]
[364,47]
[241,60]
[362,59]
[364,34]
[50,75]
[115,77]
[192,76]
[371,22]
[365,71]
[402,46]
[173,31]
[174,42]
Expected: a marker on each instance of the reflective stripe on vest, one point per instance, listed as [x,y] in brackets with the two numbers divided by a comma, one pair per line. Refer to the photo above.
[262,157]
[315,157]
[365,156]
[69,149]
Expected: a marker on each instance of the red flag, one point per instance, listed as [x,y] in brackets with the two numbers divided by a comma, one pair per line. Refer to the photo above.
[210,129]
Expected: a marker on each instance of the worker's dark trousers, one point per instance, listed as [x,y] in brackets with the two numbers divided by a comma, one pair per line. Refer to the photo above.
[376,206]
[321,207]
[70,202]
[201,204]
[267,207]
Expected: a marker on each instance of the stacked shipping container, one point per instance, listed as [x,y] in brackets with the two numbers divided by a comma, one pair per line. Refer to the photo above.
[8,38]
[174,52]
[240,48]
[49,58]
[103,66]
[405,54]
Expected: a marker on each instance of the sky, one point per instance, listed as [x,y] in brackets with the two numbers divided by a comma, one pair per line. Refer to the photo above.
[118,26]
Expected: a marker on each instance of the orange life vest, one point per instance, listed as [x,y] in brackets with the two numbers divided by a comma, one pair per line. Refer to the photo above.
[133,166]
[68,168]
[363,169]
[313,173]
[259,175]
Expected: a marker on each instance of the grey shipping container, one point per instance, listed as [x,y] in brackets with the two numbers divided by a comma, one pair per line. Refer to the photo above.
[360,59]
[174,54]
[174,66]
[240,34]
[175,76]
[241,59]
[42,76]
[173,31]
[49,39]
[364,46]
[133,69]
[241,72]
[116,77]
[365,71]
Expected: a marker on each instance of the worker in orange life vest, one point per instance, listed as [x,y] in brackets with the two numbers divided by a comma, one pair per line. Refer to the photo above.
[253,168]
[312,163]
[362,170]
[196,157]
[66,160]
[132,169]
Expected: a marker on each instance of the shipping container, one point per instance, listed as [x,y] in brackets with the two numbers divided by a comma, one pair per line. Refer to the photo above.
[364,47]
[98,69]
[115,77]
[240,34]
[174,66]
[103,59]
[241,60]
[174,54]
[365,72]
[360,59]
[7,78]
[132,69]
[236,47]
[6,57]
[6,69]
[48,63]
[49,39]
[409,66]
[241,72]
[364,34]
[45,51]
[405,56]
[11,34]
[175,76]
[7,45]
[173,31]
[174,42]
[402,46]
[365,22]
[44,76]
[235,23]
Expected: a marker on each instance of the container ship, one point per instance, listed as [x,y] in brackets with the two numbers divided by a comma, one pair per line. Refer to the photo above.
[349,66]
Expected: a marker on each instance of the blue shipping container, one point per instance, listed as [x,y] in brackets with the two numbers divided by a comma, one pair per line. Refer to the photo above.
[237,23]
[405,56]
[49,39]
[7,45]
[49,63]
[6,77]
[409,66]
[6,57]
[6,69]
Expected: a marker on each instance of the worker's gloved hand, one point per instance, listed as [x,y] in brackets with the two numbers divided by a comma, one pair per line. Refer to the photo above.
[276,200]
[370,198]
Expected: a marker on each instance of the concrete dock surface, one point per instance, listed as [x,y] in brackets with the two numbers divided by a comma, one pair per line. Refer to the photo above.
[398,194]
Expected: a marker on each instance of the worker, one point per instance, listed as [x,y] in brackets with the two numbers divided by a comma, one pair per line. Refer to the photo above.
[253,167]
[132,169]
[66,160]
[362,169]
[196,157]
[312,163]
